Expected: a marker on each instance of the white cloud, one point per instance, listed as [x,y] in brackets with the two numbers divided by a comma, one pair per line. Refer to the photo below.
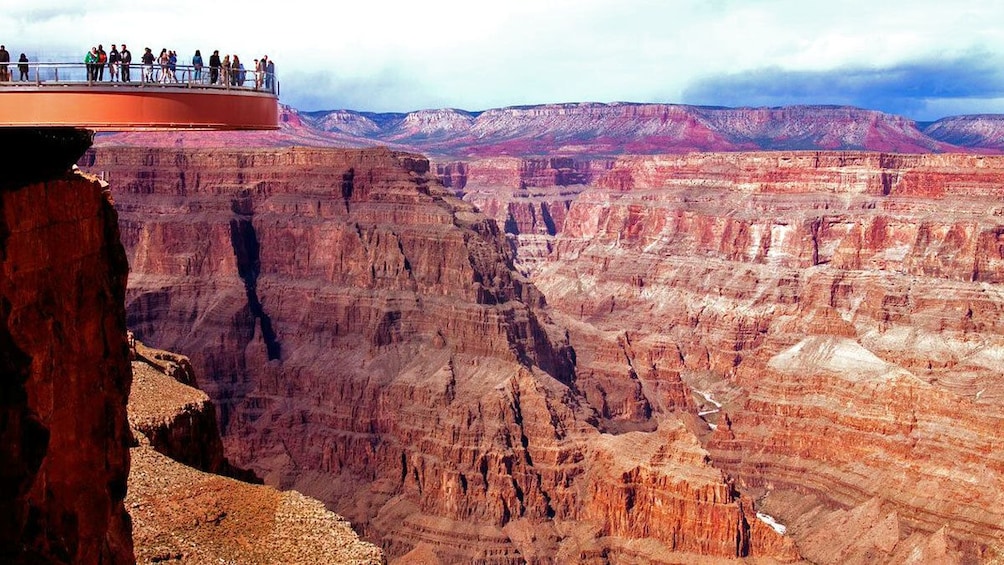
[477,54]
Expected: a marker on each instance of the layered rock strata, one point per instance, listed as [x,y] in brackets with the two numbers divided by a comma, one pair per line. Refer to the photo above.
[64,366]
[836,316]
[367,341]
[183,514]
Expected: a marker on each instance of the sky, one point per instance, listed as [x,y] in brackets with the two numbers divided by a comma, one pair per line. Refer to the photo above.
[924,59]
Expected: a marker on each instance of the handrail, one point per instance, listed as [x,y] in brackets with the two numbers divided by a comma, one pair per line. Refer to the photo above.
[141,75]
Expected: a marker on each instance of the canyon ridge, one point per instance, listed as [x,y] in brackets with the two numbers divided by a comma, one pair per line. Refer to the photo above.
[622,352]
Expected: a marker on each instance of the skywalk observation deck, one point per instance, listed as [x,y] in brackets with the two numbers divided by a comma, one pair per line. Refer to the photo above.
[64,95]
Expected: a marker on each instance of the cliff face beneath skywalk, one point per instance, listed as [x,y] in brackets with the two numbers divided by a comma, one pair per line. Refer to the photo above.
[64,368]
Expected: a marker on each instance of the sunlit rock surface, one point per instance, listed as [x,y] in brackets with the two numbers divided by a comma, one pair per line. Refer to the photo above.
[837,316]
[367,341]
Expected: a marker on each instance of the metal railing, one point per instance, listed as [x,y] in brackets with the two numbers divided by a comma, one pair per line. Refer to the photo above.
[136,75]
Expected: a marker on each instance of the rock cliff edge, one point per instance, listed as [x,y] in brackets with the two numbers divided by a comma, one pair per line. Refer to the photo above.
[64,365]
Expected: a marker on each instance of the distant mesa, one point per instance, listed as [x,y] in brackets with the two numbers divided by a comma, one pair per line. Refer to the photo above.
[978,131]
[596,130]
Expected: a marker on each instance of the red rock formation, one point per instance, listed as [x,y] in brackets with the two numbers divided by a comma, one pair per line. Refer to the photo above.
[65,372]
[368,342]
[183,514]
[177,420]
[842,309]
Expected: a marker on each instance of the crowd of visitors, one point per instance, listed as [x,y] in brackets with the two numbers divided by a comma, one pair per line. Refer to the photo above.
[232,71]
[228,71]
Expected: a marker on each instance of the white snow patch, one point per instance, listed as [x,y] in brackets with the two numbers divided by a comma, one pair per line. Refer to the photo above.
[656,244]
[980,393]
[702,413]
[770,521]
[586,282]
[756,239]
[898,336]
[855,303]
[940,347]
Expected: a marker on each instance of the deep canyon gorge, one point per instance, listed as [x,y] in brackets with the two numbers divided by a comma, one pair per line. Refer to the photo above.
[653,358]
[551,334]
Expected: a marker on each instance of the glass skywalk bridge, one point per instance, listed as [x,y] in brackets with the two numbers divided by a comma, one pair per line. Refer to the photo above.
[67,95]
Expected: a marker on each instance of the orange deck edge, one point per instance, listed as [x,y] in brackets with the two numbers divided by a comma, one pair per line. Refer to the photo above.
[120,108]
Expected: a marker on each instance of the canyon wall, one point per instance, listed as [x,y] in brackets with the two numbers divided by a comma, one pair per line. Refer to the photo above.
[177,420]
[65,372]
[835,315]
[367,341]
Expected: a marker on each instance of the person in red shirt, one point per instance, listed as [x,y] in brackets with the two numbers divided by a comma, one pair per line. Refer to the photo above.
[102,61]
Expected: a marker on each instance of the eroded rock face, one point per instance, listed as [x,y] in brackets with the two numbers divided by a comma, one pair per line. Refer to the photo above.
[836,315]
[368,342]
[184,514]
[65,374]
[176,419]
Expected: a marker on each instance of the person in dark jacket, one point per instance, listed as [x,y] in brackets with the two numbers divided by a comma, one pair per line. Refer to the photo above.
[270,75]
[125,56]
[214,67]
[114,60]
[235,72]
[22,67]
[172,65]
[4,58]
[147,60]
